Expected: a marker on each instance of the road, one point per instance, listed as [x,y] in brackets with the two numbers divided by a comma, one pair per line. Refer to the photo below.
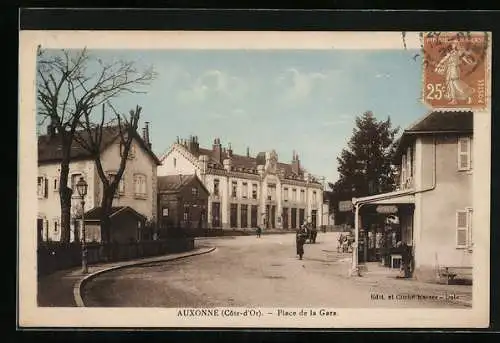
[250,271]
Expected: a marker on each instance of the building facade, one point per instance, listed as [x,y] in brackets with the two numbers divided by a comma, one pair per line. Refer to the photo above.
[434,199]
[137,188]
[182,203]
[248,191]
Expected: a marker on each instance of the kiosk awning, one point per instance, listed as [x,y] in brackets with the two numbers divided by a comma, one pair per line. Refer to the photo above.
[397,197]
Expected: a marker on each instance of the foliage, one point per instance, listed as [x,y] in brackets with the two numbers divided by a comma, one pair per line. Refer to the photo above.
[365,165]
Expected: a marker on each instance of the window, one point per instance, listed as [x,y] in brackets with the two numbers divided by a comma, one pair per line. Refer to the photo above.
[131,152]
[271,192]
[234,188]
[314,198]
[294,194]
[302,195]
[462,228]
[464,152]
[215,214]
[121,185]
[216,187]
[194,192]
[74,179]
[244,216]
[409,163]
[244,190]
[42,186]
[56,227]
[254,191]
[285,194]
[234,215]
[55,184]
[140,185]
[175,162]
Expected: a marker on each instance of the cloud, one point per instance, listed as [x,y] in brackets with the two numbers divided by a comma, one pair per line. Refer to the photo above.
[335,122]
[297,85]
[382,75]
[212,84]
[234,113]
[238,112]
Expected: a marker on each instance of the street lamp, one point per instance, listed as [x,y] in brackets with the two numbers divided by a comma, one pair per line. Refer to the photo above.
[81,187]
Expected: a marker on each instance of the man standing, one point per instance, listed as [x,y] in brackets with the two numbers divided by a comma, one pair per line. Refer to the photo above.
[300,239]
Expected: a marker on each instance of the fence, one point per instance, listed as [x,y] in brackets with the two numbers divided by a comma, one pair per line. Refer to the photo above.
[54,256]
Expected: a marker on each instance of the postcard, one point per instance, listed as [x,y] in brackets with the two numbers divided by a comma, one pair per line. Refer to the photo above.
[176,179]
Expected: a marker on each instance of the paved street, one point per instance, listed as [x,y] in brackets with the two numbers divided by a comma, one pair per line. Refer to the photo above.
[250,271]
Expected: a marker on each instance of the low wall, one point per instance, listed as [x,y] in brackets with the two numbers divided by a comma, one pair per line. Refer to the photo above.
[53,256]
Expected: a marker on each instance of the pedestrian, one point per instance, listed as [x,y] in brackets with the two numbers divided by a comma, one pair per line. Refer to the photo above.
[300,239]
[340,245]
[406,257]
[314,234]
[259,231]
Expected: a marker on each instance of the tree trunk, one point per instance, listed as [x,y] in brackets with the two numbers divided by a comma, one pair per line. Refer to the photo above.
[65,201]
[106,204]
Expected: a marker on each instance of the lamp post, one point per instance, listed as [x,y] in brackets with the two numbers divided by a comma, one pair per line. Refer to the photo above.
[81,187]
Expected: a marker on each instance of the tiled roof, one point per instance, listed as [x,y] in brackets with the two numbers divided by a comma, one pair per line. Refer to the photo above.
[95,213]
[444,121]
[434,123]
[50,148]
[173,183]
[242,161]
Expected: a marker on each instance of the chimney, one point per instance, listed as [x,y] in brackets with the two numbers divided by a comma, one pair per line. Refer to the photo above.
[146,135]
[51,129]
[193,144]
[295,163]
[217,150]
[248,152]
[229,150]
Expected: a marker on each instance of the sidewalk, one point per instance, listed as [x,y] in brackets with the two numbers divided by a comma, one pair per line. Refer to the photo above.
[59,289]
[385,279]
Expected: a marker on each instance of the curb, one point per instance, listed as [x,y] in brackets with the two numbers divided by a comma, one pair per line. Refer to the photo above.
[77,288]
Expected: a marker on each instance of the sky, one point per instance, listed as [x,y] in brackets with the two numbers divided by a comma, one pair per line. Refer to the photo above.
[286,100]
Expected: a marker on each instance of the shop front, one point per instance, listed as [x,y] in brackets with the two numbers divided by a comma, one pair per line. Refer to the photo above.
[384,229]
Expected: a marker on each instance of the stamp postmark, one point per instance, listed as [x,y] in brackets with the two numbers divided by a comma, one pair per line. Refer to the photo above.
[455,69]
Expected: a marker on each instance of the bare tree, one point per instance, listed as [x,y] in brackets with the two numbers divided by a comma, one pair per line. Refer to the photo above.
[91,137]
[69,84]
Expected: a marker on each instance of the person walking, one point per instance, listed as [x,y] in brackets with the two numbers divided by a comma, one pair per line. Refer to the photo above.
[300,239]
[259,231]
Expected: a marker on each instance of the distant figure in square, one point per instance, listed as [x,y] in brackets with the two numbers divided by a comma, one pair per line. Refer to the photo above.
[300,239]
[259,231]
[314,234]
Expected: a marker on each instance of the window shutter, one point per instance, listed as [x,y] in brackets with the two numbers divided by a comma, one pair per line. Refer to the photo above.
[464,154]
[462,229]
[403,170]
[46,187]
[469,218]
[121,185]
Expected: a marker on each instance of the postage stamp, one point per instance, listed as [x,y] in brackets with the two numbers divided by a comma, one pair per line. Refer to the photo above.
[455,69]
[253,179]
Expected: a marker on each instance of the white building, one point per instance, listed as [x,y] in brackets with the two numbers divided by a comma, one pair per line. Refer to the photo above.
[434,199]
[248,191]
[137,188]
